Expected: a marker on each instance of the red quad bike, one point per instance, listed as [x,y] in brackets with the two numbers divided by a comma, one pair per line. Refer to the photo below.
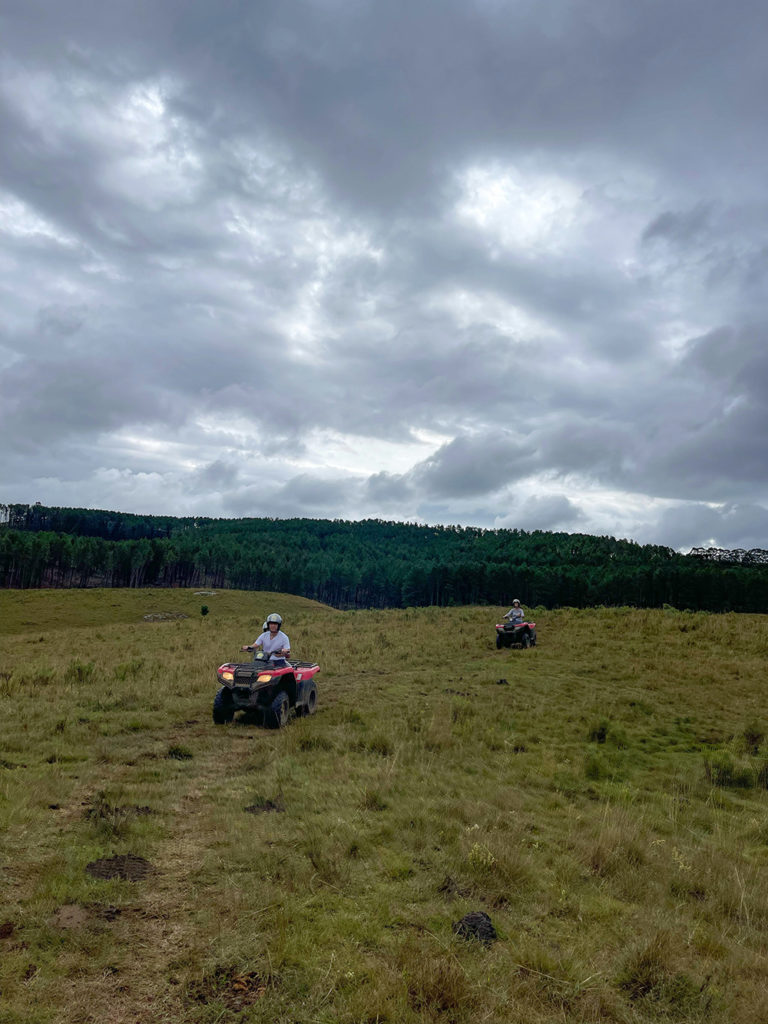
[515,634]
[272,690]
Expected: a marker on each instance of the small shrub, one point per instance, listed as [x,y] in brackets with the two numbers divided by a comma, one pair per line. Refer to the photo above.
[314,742]
[753,734]
[598,732]
[480,858]
[79,672]
[618,738]
[380,745]
[437,984]
[128,669]
[462,711]
[40,677]
[373,800]
[136,725]
[352,716]
[722,769]
[595,767]
[650,975]
[646,968]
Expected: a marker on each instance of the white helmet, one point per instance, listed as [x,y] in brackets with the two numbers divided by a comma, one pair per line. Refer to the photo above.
[516,601]
[274,617]
[264,626]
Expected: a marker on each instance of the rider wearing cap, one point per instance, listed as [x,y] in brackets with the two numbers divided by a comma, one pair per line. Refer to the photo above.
[273,640]
[516,615]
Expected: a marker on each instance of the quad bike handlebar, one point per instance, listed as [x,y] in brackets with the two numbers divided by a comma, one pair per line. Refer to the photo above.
[268,655]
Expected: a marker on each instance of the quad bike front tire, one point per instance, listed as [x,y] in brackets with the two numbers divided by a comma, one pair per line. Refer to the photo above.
[223,711]
[280,711]
[526,640]
[499,641]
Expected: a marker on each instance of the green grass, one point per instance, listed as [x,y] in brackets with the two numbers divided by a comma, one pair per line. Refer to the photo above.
[608,809]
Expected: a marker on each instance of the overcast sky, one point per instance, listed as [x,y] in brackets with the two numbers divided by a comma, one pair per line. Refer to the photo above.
[493,262]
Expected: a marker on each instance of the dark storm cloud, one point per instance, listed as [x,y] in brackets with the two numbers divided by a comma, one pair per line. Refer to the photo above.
[469,466]
[533,234]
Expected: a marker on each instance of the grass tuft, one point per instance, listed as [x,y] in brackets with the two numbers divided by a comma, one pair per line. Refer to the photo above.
[79,672]
[723,769]
[179,753]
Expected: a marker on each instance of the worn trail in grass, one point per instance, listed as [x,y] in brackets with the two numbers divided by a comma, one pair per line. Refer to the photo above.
[606,807]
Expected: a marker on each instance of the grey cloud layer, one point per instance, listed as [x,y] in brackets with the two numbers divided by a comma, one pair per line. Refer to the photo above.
[534,232]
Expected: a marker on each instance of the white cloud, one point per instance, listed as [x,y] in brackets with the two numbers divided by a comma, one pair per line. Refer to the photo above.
[531,212]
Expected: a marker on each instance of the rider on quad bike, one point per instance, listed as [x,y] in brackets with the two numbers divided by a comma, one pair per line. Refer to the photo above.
[516,632]
[273,640]
[271,687]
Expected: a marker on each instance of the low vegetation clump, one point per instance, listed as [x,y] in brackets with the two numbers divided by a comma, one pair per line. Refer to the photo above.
[599,824]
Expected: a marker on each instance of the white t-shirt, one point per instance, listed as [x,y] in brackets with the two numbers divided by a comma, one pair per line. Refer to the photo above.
[269,644]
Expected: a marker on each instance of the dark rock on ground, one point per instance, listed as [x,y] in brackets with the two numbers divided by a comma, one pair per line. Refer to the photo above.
[476,925]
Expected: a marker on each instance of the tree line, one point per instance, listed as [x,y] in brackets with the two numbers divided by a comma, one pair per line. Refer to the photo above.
[368,564]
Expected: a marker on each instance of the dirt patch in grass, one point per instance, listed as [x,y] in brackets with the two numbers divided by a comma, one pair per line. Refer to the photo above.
[7,928]
[105,913]
[103,809]
[71,915]
[450,887]
[262,806]
[126,866]
[230,986]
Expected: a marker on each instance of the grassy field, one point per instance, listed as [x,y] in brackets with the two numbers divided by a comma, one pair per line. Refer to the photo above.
[606,807]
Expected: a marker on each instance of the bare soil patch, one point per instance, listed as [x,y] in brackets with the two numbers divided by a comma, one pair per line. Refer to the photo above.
[126,866]
[102,809]
[262,806]
[234,988]
[71,915]
[450,887]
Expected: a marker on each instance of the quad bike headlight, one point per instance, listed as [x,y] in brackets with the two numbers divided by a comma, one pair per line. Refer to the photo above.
[265,677]
[228,675]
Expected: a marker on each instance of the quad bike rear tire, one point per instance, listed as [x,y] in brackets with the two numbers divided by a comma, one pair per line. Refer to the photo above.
[280,711]
[310,707]
[223,711]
